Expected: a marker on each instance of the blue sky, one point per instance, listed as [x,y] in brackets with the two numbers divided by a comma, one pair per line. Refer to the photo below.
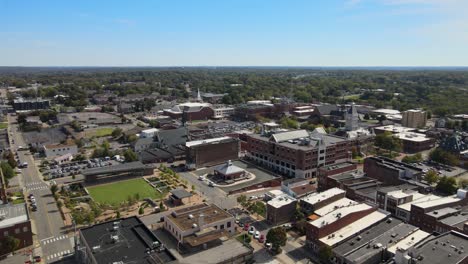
[234,33]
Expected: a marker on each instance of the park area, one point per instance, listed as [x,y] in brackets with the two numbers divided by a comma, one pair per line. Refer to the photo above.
[116,193]
[99,132]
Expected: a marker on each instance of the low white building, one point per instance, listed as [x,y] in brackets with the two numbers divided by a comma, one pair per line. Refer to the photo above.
[57,150]
[148,133]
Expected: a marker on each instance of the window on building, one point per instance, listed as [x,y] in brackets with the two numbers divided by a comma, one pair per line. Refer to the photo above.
[5,234]
[228,224]
[17,230]
[222,226]
[25,229]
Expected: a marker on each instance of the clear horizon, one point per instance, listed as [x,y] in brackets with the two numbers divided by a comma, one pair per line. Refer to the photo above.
[296,33]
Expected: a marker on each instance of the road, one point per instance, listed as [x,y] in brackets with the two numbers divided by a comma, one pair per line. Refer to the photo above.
[51,233]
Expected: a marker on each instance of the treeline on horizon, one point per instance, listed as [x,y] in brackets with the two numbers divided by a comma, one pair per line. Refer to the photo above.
[441,91]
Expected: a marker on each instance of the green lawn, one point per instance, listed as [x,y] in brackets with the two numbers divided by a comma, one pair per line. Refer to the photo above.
[115,193]
[3,125]
[100,132]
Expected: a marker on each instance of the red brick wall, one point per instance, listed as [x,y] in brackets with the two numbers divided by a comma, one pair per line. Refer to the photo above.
[315,233]
[25,238]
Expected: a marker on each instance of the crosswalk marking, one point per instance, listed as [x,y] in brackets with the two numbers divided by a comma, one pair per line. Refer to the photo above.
[53,239]
[38,185]
[58,254]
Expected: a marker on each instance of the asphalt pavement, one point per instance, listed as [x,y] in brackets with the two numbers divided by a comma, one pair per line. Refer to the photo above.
[51,235]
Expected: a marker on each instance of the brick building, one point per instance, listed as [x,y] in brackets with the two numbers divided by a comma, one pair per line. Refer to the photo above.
[426,214]
[324,173]
[15,222]
[296,153]
[390,172]
[280,209]
[415,118]
[191,111]
[198,225]
[315,201]
[209,152]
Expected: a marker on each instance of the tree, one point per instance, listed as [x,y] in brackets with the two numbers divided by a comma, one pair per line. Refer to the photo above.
[388,141]
[242,200]
[412,159]
[325,253]
[444,157]
[130,155]
[8,245]
[54,188]
[117,132]
[161,206]
[141,210]
[366,116]
[381,118]
[463,183]
[117,215]
[287,122]
[193,188]
[10,158]
[7,170]
[277,237]
[447,185]
[431,177]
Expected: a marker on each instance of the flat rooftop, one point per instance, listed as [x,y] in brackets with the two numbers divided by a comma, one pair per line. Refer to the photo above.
[339,213]
[387,239]
[409,241]
[12,214]
[437,202]
[281,201]
[365,236]
[354,228]
[185,218]
[448,248]
[119,168]
[321,196]
[343,202]
[208,141]
[126,240]
[418,198]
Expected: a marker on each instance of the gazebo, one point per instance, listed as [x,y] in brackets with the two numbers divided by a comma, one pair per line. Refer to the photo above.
[229,171]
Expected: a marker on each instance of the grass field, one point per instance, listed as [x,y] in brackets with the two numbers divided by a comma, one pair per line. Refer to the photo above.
[3,125]
[115,193]
[100,132]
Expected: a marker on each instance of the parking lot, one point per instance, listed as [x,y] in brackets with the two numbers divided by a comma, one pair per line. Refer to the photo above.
[75,168]
[260,176]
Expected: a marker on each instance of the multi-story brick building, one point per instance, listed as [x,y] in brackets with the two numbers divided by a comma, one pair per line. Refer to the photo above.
[209,152]
[415,118]
[191,111]
[421,216]
[390,172]
[15,222]
[296,153]
[199,224]
[280,209]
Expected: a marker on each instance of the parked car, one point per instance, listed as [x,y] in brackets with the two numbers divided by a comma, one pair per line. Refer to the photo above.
[246,227]
[261,239]
[251,230]
[257,235]
[268,245]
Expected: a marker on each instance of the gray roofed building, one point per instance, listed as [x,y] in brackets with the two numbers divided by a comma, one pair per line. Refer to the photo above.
[448,248]
[372,251]
[168,145]
[180,193]
[361,239]
[121,241]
